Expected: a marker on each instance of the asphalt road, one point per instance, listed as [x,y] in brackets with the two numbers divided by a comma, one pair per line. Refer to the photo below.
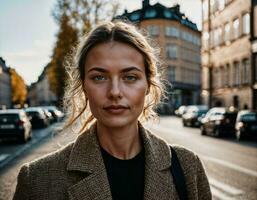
[231,166]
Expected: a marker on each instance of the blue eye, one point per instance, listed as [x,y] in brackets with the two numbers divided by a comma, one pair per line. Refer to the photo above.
[130,78]
[99,78]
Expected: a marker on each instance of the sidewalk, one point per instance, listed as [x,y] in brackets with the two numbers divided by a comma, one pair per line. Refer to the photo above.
[8,176]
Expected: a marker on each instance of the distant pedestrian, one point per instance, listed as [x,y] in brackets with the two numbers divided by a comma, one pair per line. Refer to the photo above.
[114,85]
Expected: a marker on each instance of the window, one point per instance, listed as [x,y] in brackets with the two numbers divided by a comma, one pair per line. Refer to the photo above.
[222,76]
[245,71]
[246,23]
[167,13]
[255,64]
[221,4]
[226,75]
[172,51]
[236,74]
[217,36]
[236,28]
[150,13]
[205,10]
[135,16]
[171,31]
[227,32]
[214,5]
[171,73]
[153,30]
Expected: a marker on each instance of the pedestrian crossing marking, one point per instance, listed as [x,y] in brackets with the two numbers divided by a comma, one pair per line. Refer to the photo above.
[225,187]
[231,165]
[220,195]
[3,157]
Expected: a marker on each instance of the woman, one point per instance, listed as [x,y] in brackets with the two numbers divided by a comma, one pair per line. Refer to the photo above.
[114,84]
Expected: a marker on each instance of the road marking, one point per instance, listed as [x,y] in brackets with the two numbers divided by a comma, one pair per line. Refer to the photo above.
[231,165]
[3,157]
[225,187]
[220,195]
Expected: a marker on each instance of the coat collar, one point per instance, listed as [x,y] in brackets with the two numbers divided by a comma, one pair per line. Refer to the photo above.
[86,157]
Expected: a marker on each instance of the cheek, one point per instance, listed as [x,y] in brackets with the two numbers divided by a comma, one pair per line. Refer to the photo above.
[137,95]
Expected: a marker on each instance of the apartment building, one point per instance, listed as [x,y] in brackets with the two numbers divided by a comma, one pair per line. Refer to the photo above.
[227,61]
[5,86]
[40,93]
[180,42]
[253,31]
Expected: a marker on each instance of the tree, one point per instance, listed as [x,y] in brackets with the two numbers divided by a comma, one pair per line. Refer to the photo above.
[19,89]
[66,39]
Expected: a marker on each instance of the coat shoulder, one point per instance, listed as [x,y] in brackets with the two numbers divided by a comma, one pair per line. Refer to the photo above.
[55,159]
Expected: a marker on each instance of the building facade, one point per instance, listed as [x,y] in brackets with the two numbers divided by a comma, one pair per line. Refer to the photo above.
[254,50]
[179,41]
[227,61]
[40,93]
[5,86]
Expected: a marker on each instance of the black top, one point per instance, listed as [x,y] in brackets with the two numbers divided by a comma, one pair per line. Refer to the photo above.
[126,177]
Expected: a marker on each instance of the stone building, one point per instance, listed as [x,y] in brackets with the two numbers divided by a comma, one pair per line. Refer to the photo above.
[227,61]
[179,41]
[5,86]
[254,50]
[40,93]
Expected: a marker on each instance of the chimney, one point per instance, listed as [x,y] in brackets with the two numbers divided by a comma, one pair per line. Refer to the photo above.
[145,3]
[177,8]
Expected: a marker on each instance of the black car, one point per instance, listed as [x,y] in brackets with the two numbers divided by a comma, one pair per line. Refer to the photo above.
[190,118]
[38,117]
[219,121]
[14,123]
[246,124]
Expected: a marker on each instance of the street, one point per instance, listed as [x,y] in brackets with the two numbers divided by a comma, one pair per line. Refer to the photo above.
[231,165]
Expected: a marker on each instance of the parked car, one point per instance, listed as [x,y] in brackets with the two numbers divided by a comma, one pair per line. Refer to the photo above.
[48,115]
[181,110]
[38,117]
[219,121]
[190,118]
[57,114]
[14,123]
[246,124]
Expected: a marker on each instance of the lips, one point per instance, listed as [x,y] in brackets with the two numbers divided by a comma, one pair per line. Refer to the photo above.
[115,109]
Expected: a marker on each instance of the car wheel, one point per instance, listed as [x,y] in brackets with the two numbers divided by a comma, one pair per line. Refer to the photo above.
[30,134]
[184,123]
[239,135]
[203,131]
[22,138]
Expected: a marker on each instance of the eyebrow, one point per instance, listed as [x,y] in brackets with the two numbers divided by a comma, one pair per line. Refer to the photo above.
[128,69]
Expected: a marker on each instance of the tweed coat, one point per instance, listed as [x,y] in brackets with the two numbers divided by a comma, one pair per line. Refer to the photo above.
[77,172]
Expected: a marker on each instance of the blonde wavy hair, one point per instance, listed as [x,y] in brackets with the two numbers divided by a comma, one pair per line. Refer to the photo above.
[75,101]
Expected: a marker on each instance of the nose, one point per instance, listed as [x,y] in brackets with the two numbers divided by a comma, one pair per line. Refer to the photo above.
[115,90]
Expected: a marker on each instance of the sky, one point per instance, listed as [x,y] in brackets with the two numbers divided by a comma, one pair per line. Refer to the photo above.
[28,31]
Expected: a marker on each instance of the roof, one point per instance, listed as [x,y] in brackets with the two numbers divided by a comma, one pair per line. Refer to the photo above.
[158,11]
[11,111]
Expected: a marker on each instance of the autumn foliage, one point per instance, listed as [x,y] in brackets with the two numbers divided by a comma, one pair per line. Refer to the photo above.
[74,18]
[19,89]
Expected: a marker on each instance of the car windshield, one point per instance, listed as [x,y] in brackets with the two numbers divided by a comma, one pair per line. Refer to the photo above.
[33,113]
[8,117]
[250,117]
[231,116]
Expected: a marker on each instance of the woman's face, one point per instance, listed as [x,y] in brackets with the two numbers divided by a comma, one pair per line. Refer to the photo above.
[115,83]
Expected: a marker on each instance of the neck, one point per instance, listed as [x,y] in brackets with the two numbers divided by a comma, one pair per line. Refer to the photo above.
[122,143]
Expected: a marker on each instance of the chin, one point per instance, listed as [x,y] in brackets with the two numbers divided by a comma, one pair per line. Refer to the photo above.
[116,122]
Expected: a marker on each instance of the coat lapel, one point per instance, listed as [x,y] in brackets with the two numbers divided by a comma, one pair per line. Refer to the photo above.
[86,157]
[158,179]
